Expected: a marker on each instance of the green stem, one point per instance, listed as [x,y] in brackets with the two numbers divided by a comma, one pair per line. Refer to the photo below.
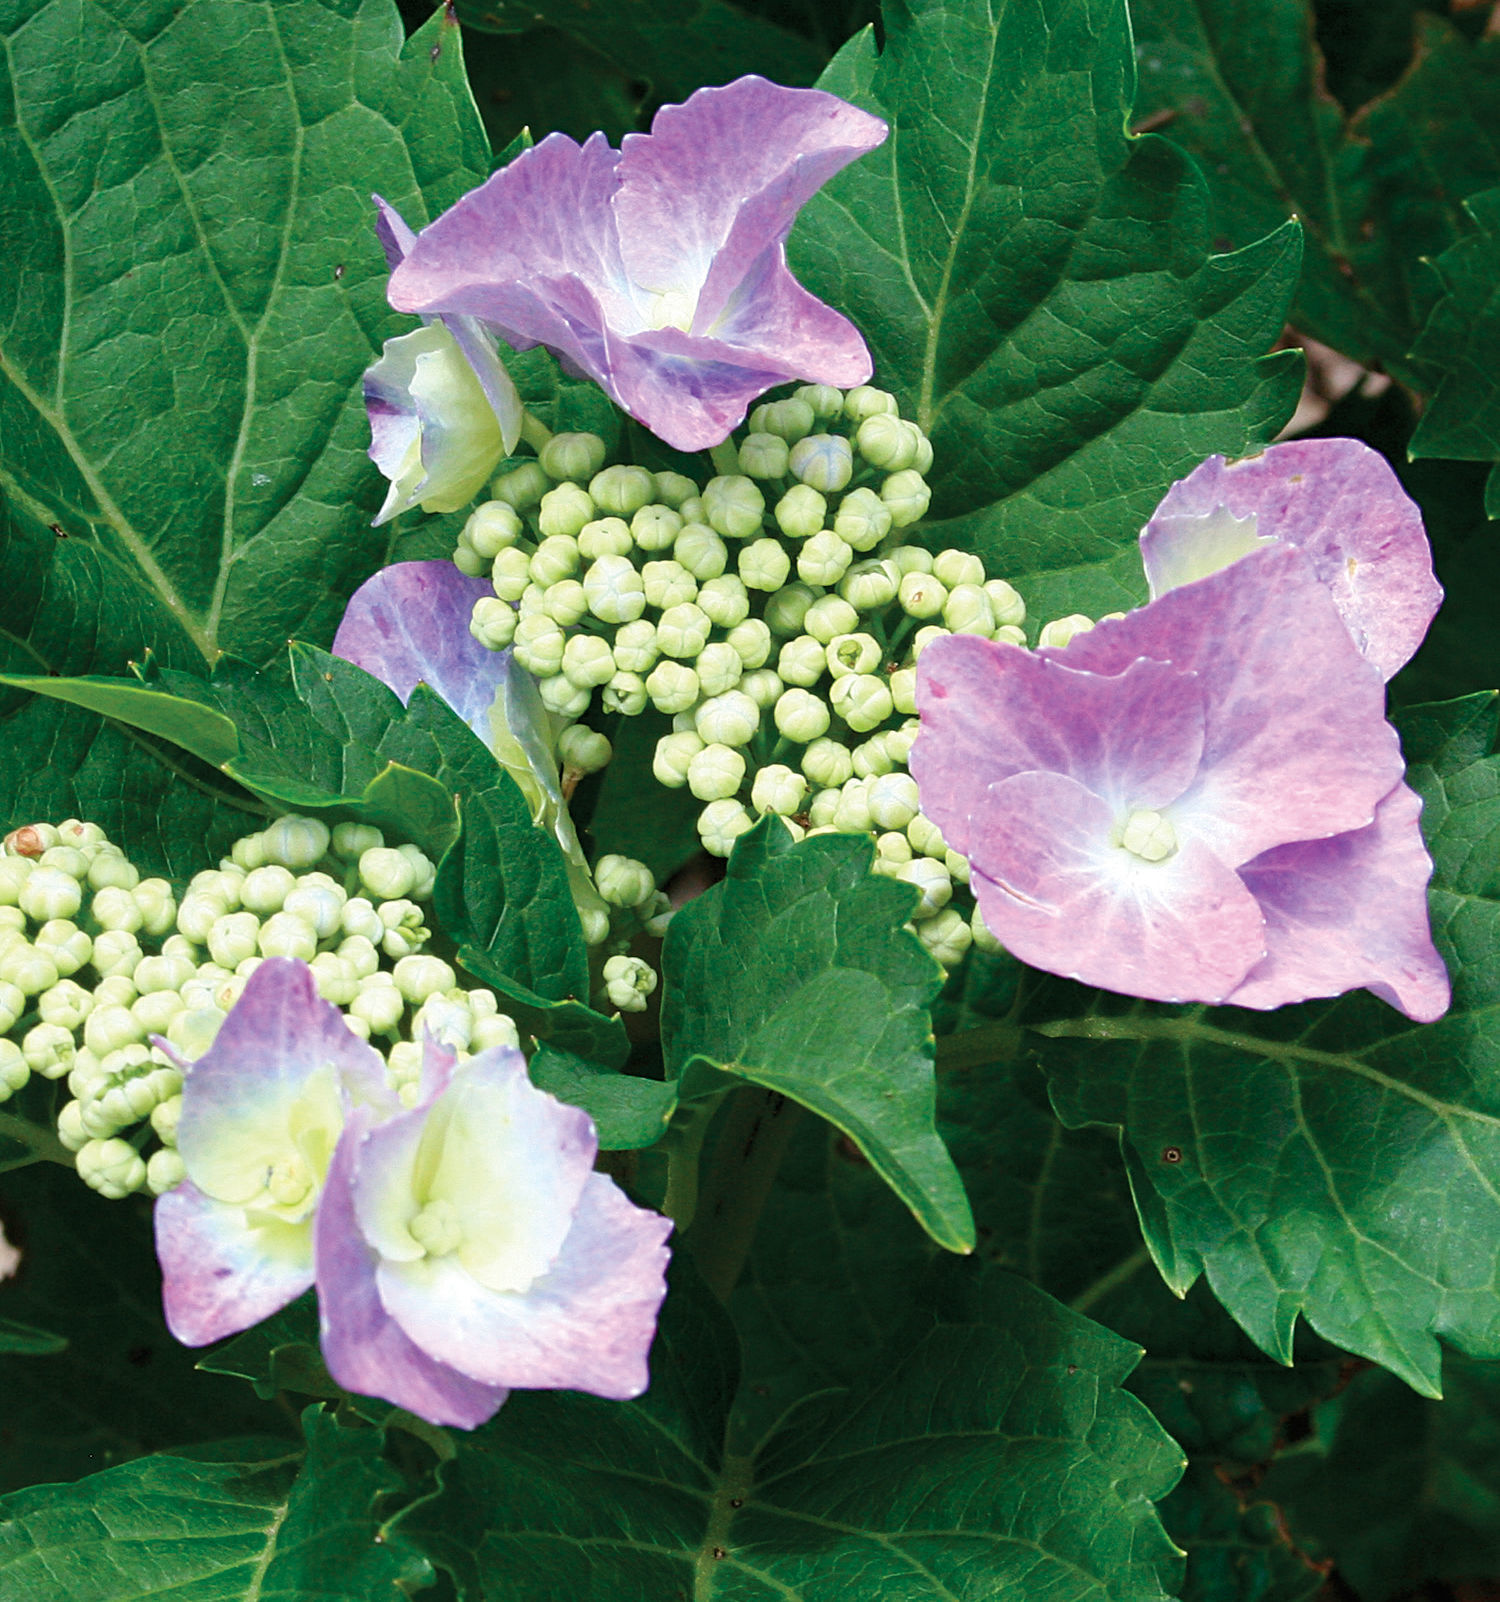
[726,458]
[684,1147]
[534,432]
[992,1042]
[1124,1270]
[44,1145]
[748,1153]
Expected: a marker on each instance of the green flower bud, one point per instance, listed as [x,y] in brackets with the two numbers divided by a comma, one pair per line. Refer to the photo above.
[284,934]
[701,552]
[32,840]
[720,824]
[725,600]
[893,800]
[764,565]
[562,697]
[539,645]
[925,636]
[492,527]
[866,401]
[910,559]
[824,558]
[672,489]
[656,528]
[718,668]
[852,653]
[750,640]
[958,567]
[14,1072]
[1060,630]
[673,754]
[165,1170]
[76,833]
[555,559]
[222,886]
[863,519]
[563,514]
[1011,635]
[157,905]
[70,1130]
[588,661]
[907,496]
[156,1011]
[788,607]
[64,1004]
[800,715]
[320,905]
[888,442]
[622,881]
[862,700]
[14,872]
[668,584]
[830,616]
[379,1004]
[628,981]
[622,491]
[800,512]
[67,945]
[763,686]
[582,750]
[822,807]
[932,880]
[778,789]
[802,661]
[872,758]
[117,951]
[614,590]
[626,693]
[926,838]
[788,420]
[566,602]
[572,456]
[763,456]
[870,586]
[1005,602]
[417,978]
[904,690]
[984,940]
[922,595]
[445,1020]
[154,975]
[967,611]
[112,1167]
[730,719]
[715,772]
[115,908]
[360,954]
[733,506]
[496,1030]
[165,1114]
[265,890]
[827,763]
[359,916]
[852,814]
[117,991]
[493,622]
[50,893]
[605,536]
[522,487]
[296,843]
[672,686]
[510,574]
[957,865]
[48,1050]
[947,936]
[232,938]
[891,851]
[822,400]
[682,631]
[107,1029]
[636,648]
[468,561]
[66,859]
[29,970]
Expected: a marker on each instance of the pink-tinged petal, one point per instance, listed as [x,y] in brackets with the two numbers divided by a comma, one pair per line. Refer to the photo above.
[720,179]
[1340,503]
[1350,913]
[990,710]
[1296,744]
[1060,895]
[393,232]
[409,625]
[365,1350]
[586,1326]
[220,1272]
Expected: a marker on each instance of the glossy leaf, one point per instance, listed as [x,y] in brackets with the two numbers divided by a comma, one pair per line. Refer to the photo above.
[628,1112]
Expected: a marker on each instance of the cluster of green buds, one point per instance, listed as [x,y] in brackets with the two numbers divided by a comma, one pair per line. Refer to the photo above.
[97,962]
[776,614]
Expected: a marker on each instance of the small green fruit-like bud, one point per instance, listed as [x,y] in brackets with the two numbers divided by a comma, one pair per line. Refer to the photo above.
[673,754]
[265,890]
[891,850]
[67,945]
[788,607]
[1060,630]
[720,824]
[417,978]
[871,759]
[682,631]
[862,700]
[904,690]
[572,456]
[622,491]
[888,442]
[725,600]
[66,859]
[763,456]
[870,586]
[946,935]
[934,882]
[789,419]
[32,840]
[701,552]
[157,905]
[117,991]
[984,940]
[14,872]
[822,399]
[718,668]
[822,807]
[672,489]
[636,649]
[628,981]
[867,401]
[622,881]
[319,902]
[65,1004]
[581,750]
[28,969]
[232,938]
[715,773]
[614,590]
[359,952]
[800,512]
[763,686]
[556,558]
[110,870]
[496,1030]
[907,496]
[48,1050]
[74,832]
[565,602]
[922,595]
[115,908]
[112,1167]
[510,574]
[351,840]
[116,951]
[156,1011]
[852,814]
[926,838]
[445,1020]
[668,584]
[925,636]
[359,916]
[750,640]
[50,893]
[564,512]
[493,622]
[165,1114]
[379,1005]
[764,565]
[802,661]
[588,661]
[560,695]
[778,789]
[165,1170]
[910,559]
[155,975]
[491,528]
[863,519]
[830,616]
[672,686]
[852,653]
[656,528]
[824,559]
[802,716]
[284,934]
[296,843]
[1011,635]
[734,506]
[108,1029]
[893,800]
[967,610]
[605,536]
[14,1072]
[1005,602]
[522,487]
[729,719]
[958,567]
[827,763]
[539,645]
[957,865]
[626,693]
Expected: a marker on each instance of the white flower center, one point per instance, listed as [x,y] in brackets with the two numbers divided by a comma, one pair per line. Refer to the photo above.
[289,1182]
[1148,835]
[673,308]
[437,1229]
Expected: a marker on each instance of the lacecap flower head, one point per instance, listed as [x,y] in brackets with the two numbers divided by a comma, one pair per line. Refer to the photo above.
[659,270]
[1202,800]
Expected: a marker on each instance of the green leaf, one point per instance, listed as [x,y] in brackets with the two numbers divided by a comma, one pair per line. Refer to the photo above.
[677,45]
[208,734]
[280,1353]
[628,1112]
[23,1340]
[795,973]
[119,1385]
[1333,1159]
[202,289]
[1036,288]
[1462,342]
[922,1484]
[663,835]
[235,1522]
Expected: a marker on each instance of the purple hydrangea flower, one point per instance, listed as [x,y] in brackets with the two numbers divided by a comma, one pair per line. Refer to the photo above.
[1198,801]
[659,270]
[262,1111]
[467,1247]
